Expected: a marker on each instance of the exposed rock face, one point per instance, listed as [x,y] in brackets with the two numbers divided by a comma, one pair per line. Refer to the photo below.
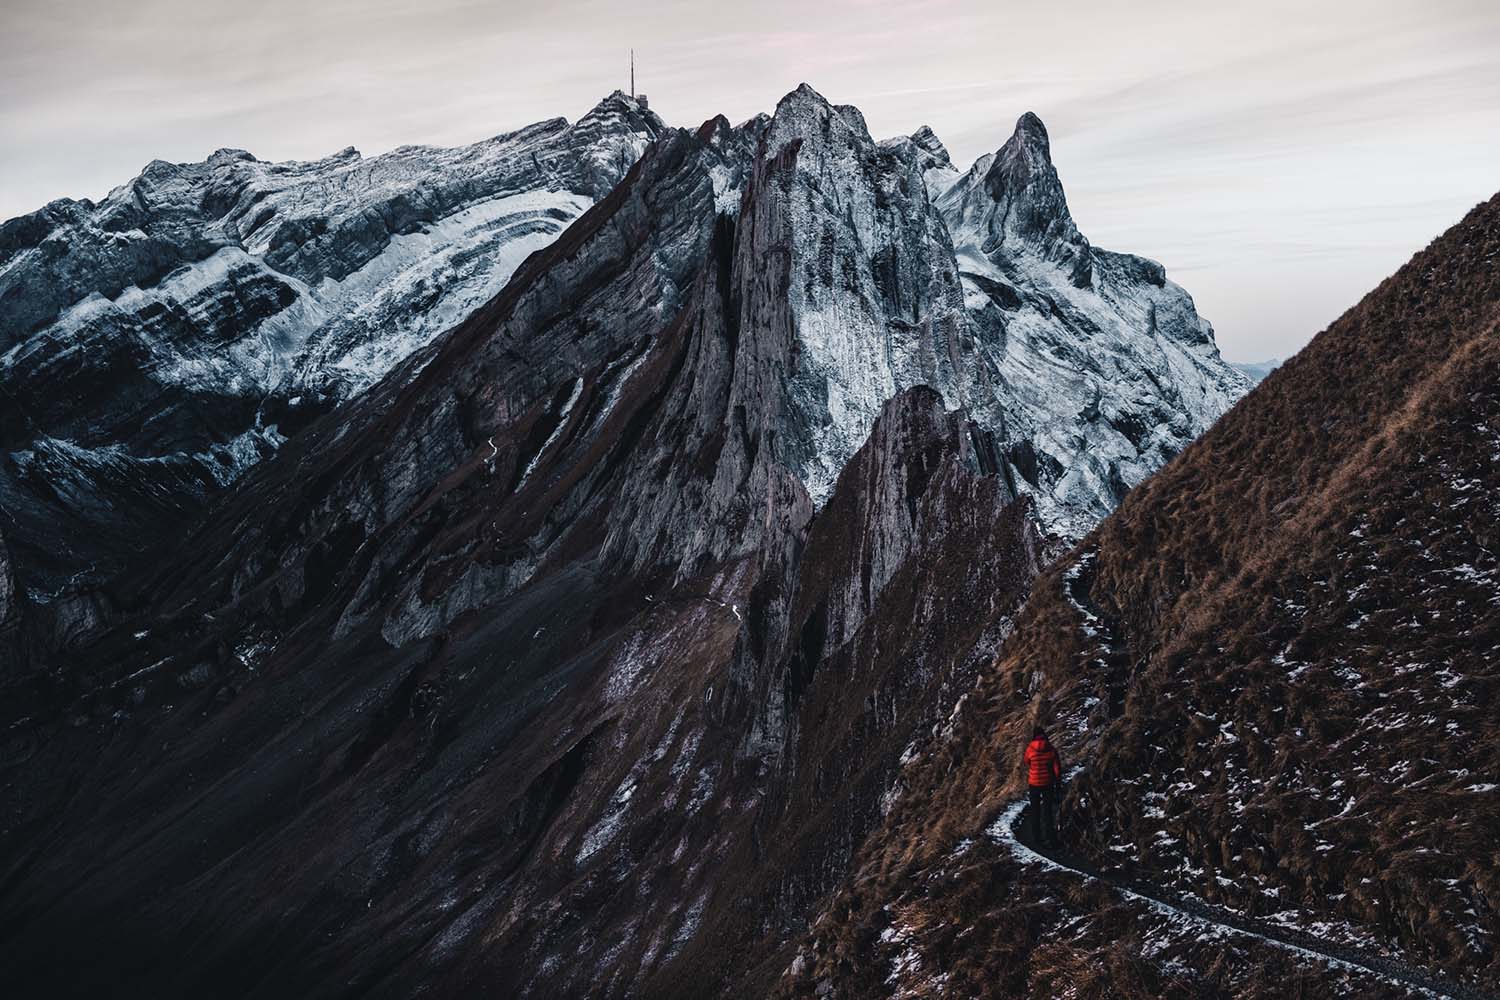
[873,304]
[591,636]
[154,346]
[1275,666]
[890,618]
[1104,370]
[937,167]
[1090,366]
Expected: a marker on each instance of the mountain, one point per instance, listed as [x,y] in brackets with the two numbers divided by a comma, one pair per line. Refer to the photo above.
[1104,369]
[1271,668]
[162,342]
[159,343]
[1089,366]
[578,654]
[1256,371]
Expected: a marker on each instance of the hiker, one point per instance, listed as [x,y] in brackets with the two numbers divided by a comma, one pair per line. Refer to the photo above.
[1044,778]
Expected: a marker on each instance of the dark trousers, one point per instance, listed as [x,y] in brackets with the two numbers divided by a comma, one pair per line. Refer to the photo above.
[1044,814]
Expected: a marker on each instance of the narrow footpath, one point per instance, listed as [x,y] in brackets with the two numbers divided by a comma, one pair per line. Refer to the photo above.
[1010,830]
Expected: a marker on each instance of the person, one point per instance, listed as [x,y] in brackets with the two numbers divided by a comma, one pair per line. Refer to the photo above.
[1043,778]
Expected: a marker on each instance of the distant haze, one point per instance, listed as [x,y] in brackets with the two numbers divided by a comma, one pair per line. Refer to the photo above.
[1280,159]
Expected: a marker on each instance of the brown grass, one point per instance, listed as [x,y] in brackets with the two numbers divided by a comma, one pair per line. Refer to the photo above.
[1320,524]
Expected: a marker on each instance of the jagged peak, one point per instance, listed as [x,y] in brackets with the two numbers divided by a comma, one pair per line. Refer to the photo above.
[926,139]
[161,168]
[757,121]
[1014,197]
[713,127]
[854,116]
[615,98]
[1025,159]
[799,103]
[1031,130]
[804,92]
[230,155]
[618,105]
[803,108]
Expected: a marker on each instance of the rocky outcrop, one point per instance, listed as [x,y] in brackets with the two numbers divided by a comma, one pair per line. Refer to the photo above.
[1104,371]
[872,304]
[1088,365]
[938,171]
[888,620]
[159,343]
[1023,209]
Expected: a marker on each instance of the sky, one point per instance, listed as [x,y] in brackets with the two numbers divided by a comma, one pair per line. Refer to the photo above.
[1280,158]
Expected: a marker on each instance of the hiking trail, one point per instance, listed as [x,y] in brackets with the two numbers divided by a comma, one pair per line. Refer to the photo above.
[1009,830]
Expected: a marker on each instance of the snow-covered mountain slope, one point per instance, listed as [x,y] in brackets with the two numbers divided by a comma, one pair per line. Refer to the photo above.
[1088,369]
[1104,369]
[155,345]
[529,671]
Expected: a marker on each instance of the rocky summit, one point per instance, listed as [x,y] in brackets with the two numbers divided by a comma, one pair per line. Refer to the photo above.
[568,622]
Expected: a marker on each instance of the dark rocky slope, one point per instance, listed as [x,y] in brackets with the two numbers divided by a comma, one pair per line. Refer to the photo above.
[579,653]
[531,671]
[1274,663]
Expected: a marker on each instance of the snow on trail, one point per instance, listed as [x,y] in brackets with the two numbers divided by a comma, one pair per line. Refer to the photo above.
[1217,922]
[1182,910]
[1091,623]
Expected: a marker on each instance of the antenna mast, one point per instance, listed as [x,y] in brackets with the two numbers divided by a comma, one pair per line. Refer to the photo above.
[632,74]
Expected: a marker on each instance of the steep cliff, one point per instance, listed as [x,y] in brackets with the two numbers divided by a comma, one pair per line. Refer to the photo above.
[1103,369]
[496,672]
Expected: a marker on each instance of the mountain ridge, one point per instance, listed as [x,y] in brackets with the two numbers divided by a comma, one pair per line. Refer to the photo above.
[154,441]
[155,367]
[496,669]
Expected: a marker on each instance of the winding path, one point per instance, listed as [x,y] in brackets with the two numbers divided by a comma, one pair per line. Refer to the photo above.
[1008,830]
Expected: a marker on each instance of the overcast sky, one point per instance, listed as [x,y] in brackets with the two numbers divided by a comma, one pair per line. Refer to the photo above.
[1279,157]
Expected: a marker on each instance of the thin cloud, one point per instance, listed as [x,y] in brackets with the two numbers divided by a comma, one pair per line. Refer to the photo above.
[1280,157]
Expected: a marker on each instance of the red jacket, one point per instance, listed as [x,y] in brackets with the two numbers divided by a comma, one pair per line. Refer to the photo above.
[1042,764]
